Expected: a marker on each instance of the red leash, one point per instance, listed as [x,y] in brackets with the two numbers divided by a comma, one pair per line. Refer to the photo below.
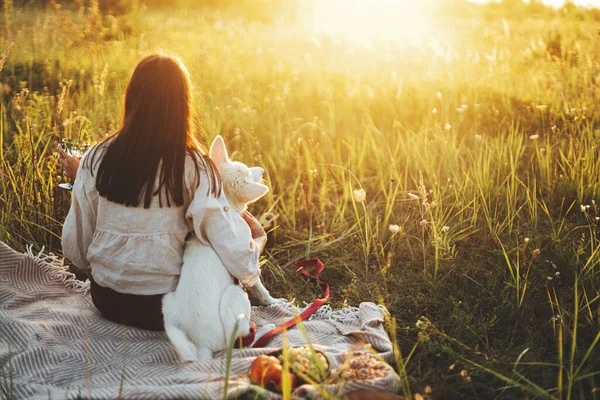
[300,267]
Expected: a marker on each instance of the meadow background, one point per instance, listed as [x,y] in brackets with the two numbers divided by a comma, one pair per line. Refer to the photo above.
[451,175]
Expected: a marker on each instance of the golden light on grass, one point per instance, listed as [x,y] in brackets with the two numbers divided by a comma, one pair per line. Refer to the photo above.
[368,21]
[405,141]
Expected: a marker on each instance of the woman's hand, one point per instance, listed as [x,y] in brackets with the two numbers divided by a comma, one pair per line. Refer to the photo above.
[70,164]
[258,233]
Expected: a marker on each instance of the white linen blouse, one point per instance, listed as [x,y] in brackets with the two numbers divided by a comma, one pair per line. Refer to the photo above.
[139,250]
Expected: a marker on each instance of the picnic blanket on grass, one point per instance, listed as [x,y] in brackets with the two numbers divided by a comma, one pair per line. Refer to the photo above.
[55,344]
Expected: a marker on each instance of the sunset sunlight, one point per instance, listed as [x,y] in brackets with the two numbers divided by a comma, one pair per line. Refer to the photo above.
[368,21]
[554,3]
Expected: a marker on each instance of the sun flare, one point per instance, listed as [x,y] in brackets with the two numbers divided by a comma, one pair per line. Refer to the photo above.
[368,21]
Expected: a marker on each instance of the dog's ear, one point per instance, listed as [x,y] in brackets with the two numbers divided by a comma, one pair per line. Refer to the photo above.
[253,191]
[218,151]
[257,173]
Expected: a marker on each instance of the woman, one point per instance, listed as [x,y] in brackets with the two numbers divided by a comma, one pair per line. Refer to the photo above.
[129,213]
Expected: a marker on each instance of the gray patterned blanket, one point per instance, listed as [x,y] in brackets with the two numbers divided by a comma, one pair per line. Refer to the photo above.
[54,344]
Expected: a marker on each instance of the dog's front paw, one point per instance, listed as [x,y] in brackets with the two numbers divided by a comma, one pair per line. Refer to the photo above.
[273,301]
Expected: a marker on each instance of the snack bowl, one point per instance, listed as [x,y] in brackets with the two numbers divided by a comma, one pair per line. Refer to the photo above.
[361,364]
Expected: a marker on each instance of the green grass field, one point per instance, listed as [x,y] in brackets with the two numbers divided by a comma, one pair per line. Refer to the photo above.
[476,146]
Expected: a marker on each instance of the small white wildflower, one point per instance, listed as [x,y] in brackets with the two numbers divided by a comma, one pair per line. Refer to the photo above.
[582,207]
[445,228]
[395,228]
[534,137]
[439,95]
[557,273]
[434,111]
[423,222]
[360,195]
[447,126]
[597,218]
[413,196]
[478,137]
[587,207]
[526,240]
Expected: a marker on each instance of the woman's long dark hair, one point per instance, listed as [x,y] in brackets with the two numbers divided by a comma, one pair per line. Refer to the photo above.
[157,129]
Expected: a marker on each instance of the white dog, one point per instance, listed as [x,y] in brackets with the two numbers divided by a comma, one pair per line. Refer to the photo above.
[203,311]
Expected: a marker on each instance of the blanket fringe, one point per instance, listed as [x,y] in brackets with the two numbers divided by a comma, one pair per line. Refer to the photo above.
[55,267]
[343,315]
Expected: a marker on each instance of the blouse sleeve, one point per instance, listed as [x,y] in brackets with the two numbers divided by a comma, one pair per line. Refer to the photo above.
[218,225]
[80,224]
